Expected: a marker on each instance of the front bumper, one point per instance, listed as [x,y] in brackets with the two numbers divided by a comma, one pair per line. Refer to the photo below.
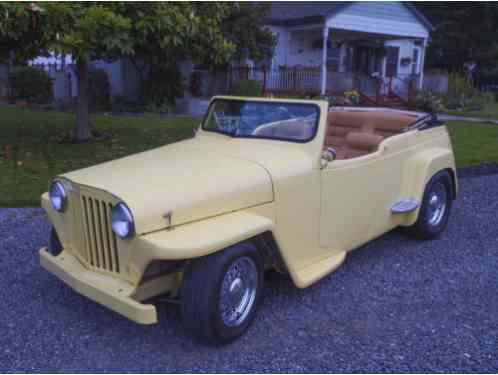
[112,293]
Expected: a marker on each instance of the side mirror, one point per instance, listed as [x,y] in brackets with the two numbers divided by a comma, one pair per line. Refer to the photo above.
[329,154]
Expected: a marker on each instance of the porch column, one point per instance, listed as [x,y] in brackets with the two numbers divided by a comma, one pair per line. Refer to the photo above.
[422,65]
[324,60]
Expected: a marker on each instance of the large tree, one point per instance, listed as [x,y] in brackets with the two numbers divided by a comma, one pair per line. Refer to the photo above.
[154,35]
[465,31]
[165,33]
[22,35]
[210,34]
[244,27]
[87,31]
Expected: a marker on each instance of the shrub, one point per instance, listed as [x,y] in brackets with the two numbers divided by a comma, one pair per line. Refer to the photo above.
[99,90]
[458,85]
[247,87]
[158,108]
[31,84]
[427,101]
[462,96]
[352,97]
[164,84]
[120,104]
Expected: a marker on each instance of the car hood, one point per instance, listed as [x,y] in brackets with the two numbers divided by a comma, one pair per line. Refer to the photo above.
[181,179]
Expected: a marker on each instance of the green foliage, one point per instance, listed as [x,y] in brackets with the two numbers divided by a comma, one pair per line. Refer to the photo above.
[158,108]
[22,32]
[462,96]
[29,83]
[244,27]
[89,31]
[99,88]
[427,101]
[465,31]
[164,84]
[247,87]
[458,85]
[165,33]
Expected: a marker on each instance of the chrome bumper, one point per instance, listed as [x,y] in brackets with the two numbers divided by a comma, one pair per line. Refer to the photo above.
[107,291]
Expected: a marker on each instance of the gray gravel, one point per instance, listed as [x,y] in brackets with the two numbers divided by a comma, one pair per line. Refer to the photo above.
[397,305]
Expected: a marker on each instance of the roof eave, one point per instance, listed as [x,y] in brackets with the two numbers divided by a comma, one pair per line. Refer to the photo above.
[295,21]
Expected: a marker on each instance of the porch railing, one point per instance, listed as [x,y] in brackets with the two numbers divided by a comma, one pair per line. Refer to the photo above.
[307,81]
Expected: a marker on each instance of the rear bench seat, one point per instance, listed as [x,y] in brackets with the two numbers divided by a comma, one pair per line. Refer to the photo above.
[358,133]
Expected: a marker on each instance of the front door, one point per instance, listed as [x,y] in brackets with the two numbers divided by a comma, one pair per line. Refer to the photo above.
[392,58]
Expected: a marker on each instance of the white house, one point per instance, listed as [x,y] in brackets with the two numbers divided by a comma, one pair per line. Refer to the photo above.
[327,47]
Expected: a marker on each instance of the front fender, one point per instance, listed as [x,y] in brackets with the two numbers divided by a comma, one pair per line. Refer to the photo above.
[202,237]
[420,169]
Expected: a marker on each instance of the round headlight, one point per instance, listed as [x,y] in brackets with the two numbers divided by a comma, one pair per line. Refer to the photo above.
[122,221]
[58,196]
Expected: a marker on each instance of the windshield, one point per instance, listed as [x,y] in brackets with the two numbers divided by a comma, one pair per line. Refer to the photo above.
[295,122]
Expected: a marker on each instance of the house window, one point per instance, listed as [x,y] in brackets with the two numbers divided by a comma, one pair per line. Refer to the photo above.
[297,42]
[415,61]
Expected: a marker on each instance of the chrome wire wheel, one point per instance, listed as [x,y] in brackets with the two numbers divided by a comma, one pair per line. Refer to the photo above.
[438,198]
[238,291]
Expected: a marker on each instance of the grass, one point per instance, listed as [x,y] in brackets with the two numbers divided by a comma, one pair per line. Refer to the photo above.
[37,152]
[474,143]
[490,111]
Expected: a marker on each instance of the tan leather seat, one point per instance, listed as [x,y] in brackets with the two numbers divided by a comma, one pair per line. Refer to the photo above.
[358,133]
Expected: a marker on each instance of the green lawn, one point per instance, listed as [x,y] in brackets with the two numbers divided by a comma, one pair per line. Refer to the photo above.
[474,143]
[38,152]
[490,111]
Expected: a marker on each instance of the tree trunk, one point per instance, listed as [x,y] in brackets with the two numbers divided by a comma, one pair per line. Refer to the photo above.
[82,131]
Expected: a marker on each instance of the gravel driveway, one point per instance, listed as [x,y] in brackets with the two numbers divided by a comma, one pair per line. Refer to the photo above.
[396,305]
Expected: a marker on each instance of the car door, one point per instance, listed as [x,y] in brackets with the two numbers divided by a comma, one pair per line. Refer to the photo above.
[356,196]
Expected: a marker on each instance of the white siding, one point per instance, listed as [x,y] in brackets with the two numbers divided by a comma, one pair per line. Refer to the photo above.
[301,50]
[282,48]
[383,17]
[405,50]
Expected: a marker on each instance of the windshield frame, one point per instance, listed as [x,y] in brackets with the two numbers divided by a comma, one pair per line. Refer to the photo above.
[282,139]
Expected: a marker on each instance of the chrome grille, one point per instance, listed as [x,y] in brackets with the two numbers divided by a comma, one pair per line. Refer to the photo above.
[100,250]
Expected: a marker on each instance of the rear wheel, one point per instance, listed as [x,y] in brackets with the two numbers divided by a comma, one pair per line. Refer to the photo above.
[221,293]
[435,209]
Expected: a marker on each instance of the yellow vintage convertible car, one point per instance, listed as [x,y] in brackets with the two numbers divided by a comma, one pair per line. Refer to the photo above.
[290,185]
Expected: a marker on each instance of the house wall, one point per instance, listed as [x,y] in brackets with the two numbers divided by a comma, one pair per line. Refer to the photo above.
[282,48]
[406,47]
[383,17]
[295,47]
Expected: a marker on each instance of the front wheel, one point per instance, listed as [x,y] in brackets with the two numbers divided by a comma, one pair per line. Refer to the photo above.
[435,209]
[221,293]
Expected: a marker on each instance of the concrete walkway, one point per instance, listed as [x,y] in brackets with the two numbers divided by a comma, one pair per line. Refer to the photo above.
[468,119]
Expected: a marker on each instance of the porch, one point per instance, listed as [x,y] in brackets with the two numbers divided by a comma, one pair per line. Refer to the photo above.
[307,81]
[383,67]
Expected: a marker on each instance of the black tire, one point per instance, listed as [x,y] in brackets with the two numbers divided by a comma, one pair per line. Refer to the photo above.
[430,223]
[202,286]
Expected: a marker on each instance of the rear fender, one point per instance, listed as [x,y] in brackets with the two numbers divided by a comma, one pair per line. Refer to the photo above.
[420,169]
